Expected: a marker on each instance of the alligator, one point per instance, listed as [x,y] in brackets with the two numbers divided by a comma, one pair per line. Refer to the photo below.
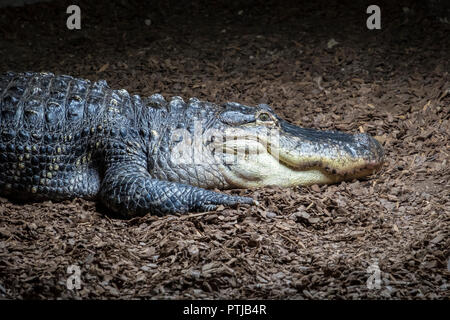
[63,137]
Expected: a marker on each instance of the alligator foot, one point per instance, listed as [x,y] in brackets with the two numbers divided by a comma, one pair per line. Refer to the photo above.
[131,191]
[214,199]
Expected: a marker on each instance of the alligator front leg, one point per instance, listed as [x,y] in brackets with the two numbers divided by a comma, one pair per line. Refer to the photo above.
[132,191]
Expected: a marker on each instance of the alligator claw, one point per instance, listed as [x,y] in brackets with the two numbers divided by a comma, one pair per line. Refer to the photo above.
[226,200]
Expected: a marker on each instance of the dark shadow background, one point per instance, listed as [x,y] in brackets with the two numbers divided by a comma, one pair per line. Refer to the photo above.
[115,32]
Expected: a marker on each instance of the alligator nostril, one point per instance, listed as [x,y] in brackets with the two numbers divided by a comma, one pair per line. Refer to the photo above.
[370,145]
[363,138]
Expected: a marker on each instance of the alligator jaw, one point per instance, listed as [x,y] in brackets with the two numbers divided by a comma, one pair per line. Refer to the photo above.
[292,156]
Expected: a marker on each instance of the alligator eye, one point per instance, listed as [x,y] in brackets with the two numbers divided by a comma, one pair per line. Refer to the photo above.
[264,117]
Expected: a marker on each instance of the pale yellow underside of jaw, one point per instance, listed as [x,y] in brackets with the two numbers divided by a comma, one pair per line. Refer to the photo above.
[265,170]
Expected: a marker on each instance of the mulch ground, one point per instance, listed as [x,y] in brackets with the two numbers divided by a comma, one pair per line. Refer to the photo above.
[306,242]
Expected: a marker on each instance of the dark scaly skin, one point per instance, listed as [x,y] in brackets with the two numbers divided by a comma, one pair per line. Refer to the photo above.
[62,137]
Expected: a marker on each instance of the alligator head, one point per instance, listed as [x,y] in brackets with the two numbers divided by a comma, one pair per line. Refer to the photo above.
[237,146]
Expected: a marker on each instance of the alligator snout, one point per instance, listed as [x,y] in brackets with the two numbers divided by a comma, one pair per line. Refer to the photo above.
[370,150]
[340,155]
